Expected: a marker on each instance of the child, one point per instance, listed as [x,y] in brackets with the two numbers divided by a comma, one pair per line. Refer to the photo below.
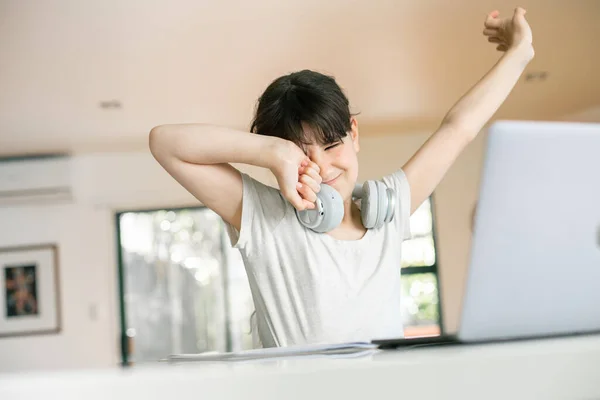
[343,285]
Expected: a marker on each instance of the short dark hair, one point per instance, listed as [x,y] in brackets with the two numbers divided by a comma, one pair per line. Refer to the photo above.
[303,98]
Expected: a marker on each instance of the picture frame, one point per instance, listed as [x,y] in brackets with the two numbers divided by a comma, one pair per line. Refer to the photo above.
[29,290]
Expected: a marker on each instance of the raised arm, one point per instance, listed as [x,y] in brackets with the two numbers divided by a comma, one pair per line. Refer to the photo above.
[426,168]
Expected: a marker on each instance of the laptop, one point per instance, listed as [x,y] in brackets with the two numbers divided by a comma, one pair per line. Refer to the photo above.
[534,269]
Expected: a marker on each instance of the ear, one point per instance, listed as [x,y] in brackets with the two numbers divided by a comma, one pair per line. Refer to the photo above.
[354,134]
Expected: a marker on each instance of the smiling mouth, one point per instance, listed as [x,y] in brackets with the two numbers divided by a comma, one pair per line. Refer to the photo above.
[329,182]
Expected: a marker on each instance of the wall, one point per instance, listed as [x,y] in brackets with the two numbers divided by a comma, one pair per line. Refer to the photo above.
[87,308]
[109,182]
[86,238]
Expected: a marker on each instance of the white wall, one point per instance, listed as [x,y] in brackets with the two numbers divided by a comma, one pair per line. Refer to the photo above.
[82,234]
[110,182]
[86,238]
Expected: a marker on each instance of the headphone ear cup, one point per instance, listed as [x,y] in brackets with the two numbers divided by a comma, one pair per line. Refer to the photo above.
[327,215]
[369,203]
[311,217]
[391,208]
[382,199]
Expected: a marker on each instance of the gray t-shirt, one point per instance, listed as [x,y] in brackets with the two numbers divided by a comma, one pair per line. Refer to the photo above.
[311,288]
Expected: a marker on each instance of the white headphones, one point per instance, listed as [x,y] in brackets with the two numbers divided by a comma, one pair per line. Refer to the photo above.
[378,203]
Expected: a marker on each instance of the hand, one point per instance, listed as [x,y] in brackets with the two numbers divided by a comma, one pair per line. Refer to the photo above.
[309,183]
[509,32]
[295,175]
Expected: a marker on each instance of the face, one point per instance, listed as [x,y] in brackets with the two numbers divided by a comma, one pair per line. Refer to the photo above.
[338,162]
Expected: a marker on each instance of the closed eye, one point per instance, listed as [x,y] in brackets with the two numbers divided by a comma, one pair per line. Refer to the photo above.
[332,146]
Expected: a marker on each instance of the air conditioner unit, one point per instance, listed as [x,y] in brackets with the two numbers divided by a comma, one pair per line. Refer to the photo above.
[45,179]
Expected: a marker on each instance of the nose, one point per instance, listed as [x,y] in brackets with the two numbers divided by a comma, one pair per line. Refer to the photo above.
[324,164]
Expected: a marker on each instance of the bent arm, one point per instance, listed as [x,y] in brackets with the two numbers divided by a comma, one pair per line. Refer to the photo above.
[198,156]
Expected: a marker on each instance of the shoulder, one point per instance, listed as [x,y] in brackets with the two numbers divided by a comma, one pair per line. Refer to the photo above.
[261,195]
[263,209]
[398,182]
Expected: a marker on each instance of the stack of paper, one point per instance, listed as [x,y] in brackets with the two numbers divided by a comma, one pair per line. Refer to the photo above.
[330,350]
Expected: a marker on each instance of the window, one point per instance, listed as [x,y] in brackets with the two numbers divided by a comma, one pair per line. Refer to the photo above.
[421,309]
[184,289]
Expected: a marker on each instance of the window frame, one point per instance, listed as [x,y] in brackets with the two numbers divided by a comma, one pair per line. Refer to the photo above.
[430,269]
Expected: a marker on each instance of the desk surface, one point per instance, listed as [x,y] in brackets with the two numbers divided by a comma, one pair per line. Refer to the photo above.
[567,368]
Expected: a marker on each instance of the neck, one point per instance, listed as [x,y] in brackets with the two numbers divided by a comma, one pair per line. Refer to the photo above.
[351,227]
[351,215]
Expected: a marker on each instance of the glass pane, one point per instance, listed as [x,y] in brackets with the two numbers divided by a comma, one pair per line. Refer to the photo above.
[418,252]
[241,306]
[182,284]
[421,221]
[420,301]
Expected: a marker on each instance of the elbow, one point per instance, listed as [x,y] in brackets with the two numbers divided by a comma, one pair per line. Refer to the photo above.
[155,139]
[455,121]
[175,140]
[460,126]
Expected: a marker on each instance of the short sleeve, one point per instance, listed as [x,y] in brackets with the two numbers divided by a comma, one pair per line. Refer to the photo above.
[400,185]
[263,208]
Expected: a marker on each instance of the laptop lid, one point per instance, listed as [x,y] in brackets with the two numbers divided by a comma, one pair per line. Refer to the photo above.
[535,257]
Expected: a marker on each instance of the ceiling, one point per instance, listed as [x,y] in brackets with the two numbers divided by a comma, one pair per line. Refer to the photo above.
[402,63]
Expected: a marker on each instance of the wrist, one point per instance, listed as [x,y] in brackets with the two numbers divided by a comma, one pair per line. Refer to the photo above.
[522,51]
[273,151]
[252,149]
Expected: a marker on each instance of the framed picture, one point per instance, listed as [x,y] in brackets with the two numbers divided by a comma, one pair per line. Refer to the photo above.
[29,290]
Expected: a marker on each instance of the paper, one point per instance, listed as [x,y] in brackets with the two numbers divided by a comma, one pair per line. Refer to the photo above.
[341,349]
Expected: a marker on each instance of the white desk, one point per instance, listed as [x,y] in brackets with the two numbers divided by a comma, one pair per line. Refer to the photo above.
[567,368]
